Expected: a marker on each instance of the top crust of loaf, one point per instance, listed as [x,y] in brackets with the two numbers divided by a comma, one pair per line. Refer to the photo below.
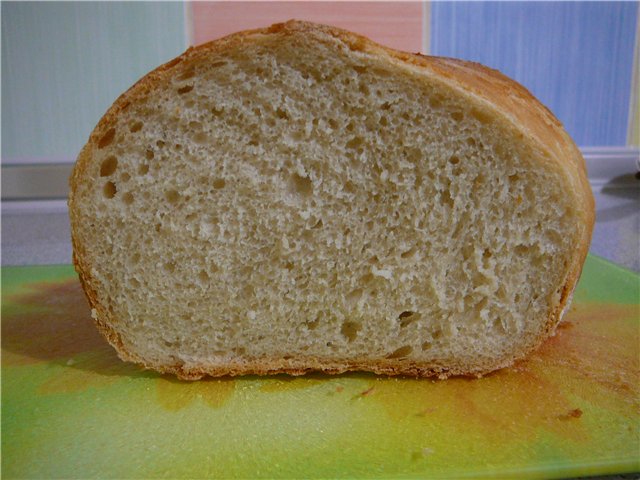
[535,124]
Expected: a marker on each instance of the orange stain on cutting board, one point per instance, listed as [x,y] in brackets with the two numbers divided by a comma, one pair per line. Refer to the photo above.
[51,323]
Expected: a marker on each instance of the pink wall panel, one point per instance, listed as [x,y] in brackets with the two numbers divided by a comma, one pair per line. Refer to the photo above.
[394,24]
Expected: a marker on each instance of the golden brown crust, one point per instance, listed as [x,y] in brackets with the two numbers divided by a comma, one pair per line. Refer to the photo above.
[533,123]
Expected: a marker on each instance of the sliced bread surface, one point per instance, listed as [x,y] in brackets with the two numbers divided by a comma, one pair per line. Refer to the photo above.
[300,198]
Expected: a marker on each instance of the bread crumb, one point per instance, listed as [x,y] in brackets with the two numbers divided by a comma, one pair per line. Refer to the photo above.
[367,392]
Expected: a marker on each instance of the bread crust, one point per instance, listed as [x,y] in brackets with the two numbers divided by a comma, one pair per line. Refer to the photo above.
[531,121]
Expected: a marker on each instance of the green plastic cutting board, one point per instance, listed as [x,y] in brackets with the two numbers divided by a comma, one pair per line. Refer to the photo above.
[71,409]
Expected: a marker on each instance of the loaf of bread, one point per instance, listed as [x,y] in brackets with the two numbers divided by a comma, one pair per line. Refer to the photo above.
[299,198]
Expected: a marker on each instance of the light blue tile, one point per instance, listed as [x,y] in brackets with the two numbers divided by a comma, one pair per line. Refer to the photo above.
[576,57]
[64,63]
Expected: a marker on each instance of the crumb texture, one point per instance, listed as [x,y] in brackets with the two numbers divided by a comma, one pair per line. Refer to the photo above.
[293,200]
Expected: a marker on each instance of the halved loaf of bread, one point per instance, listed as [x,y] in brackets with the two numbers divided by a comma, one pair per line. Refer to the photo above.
[300,198]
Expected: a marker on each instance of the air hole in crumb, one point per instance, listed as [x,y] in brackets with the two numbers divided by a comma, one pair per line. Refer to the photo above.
[349,187]
[436,101]
[219,183]
[160,144]
[187,74]
[355,142]
[107,138]
[109,190]
[426,345]
[248,291]
[401,352]
[454,160]
[446,199]
[200,138]
[280,113]
[143,169]
[135,258]
[409,253]
[350,330]
[482,117]
[408,317]
[149,154]
[333,124]
[170,267]
[306,236]
[203,276]
[185,89]
[367,278]
[135,127]
[301,186]
[498,326]
[127,198]
[312,324]
[352,297]
[457,116]
[172,196]
[125,177]
[108,166]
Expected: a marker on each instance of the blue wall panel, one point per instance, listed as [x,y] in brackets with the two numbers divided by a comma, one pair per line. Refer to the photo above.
[576,57]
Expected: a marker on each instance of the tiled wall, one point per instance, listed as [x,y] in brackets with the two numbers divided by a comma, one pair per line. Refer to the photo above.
[576,57]
[64,63]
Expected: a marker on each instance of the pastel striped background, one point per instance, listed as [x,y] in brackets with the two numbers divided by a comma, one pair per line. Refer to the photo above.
[63,63]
